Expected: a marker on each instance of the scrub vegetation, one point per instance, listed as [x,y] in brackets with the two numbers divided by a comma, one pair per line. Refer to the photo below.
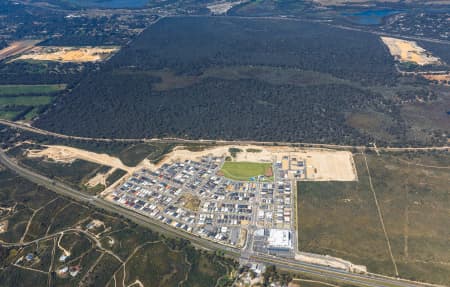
[341,218]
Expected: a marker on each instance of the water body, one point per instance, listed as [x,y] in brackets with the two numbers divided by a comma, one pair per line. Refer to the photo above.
[371,17]
[110,3]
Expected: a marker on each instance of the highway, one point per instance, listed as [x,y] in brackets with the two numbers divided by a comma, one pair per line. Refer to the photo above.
[32,129]
[371,280]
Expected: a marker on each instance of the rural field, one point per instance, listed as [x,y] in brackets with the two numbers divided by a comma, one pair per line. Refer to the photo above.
[23,102]
[30,89]
[22,107]
[342,218]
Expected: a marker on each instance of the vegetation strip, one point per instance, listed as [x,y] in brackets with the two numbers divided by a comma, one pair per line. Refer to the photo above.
[30,89]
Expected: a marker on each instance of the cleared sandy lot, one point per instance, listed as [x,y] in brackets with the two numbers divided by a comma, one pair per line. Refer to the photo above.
[409,51]
[68,54]
[69,154]
[99,178]
[321,164]
[222,7]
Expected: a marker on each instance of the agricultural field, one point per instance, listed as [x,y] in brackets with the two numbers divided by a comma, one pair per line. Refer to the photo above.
[246,170]
[25,100]
[22,107]
[94,247]
[30,89]
[18,102]
[342,219]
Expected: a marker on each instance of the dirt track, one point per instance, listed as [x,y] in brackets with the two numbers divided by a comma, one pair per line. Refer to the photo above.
[17,48]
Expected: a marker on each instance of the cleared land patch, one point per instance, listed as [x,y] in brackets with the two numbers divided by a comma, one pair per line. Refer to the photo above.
[409,51]
[17,48]
[341,218]
[246,170]
[440,78]
[68,54]
[222,8]
[69,154]
[321,164]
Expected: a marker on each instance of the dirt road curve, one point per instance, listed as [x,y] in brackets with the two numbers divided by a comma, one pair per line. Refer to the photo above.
[32,129]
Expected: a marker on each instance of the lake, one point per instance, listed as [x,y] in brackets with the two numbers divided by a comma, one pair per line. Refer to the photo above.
[371,17]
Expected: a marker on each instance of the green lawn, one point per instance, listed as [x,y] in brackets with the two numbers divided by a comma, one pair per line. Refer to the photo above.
[26,101]
[245,170]
[30,89]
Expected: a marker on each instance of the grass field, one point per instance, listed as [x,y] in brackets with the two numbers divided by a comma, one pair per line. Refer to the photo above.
[22,107]
[341,218]
[8,115]
[19,102]
[26,100]
[30,89]
[245,170]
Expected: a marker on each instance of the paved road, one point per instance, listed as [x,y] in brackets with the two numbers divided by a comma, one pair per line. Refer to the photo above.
[371,280]
[65,190]
[32,129]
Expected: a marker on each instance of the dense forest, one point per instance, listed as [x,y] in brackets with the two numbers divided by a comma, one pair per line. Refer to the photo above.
[231,78]
[205,42]
[245,109]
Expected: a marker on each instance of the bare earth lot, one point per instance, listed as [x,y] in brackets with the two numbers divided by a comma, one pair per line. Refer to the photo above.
[68,54]
[409,51]
[441,78]
[69,154]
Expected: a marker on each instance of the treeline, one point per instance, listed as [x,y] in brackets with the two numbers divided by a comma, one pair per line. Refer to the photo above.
[22,72]
[207,42]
